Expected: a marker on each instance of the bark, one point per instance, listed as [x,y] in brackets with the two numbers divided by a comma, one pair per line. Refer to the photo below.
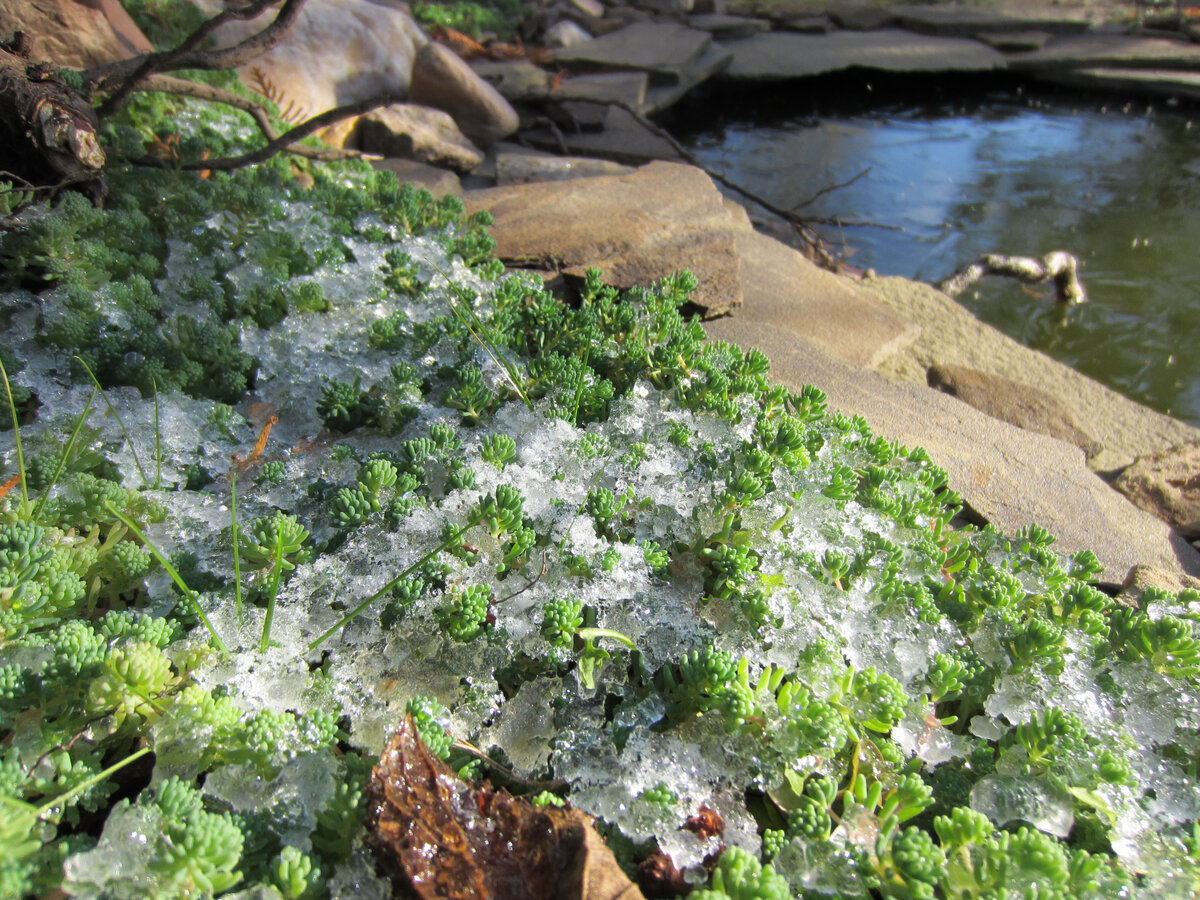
[47,129]
[1060,267]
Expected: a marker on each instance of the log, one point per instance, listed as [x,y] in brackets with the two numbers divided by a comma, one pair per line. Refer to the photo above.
[1060,267]
[47,128]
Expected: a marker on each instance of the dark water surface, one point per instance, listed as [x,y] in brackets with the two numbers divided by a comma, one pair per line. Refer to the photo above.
[1114,181]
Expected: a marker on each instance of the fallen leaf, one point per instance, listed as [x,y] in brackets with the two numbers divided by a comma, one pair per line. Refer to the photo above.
[436,836]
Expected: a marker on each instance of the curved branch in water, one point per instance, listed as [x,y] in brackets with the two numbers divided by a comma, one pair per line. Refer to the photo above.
[1059,266]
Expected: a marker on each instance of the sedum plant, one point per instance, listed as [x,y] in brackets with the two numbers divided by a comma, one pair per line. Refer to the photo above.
[581,545]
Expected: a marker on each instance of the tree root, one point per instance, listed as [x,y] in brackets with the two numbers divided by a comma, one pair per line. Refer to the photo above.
[1059,266]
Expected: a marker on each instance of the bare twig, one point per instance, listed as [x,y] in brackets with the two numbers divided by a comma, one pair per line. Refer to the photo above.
[285,140]
[123,76]
[830,189]
[1059,266]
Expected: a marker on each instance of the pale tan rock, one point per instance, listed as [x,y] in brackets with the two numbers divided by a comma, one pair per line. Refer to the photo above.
[636,228]
[337,52]
[1014,402]
[442,80]
[417,132]
[74,34]
[1167,484]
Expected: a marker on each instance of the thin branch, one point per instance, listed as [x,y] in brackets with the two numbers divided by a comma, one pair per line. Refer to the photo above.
[810,237]
[125,75]
[1060,267]
[283,141]
[830,189]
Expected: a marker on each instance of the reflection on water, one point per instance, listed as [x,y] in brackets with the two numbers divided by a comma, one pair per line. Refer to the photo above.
[1118,186]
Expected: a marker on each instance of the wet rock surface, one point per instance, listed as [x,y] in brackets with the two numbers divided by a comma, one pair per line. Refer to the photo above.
[1167,484]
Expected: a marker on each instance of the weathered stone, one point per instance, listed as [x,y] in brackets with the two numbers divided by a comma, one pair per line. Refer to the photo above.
[626,87]
[857,17]
[781,55]
[566,33]
[1143,82]
[438,182]
[580,115]
[665,50]
[951,334]
[624,140]
[713,60]
[444,81]
[775,10]
[1015,41]
[338,51]
[593,9]
[524,168]
[722,27]
[783,290]
[1014,402]
[958,21]
[1009,476]
[72,34]
[636,228]
[417,132]
[808,25]
[1109,50]
[514,79]
[1167,484]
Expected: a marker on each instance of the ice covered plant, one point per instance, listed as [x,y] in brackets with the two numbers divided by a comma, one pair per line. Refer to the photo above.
[593,554]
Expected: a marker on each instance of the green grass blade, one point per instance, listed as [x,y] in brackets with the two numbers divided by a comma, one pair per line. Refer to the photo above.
[235,534]
[188,593]
[66,454]
[136,460]
[12,408]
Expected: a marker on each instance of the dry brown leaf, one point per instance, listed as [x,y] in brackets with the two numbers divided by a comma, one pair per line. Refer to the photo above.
[436,836]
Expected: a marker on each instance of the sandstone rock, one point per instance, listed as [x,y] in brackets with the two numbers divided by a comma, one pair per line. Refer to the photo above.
[74,34]
[593,9]
[1108,50]
[968,22]
[444,81]
[514,79]
[524,168]
[724,27]
[337,52]
[636,228]
[1143,82]
[438,182]
[781,55]
[665,50]
[858,17]
[951,334]
[1014,402]
[783,290]
[1167,484]
[1009,476]
[1015,41]
[624,139]
[566,34]
[808,25]
[417,132]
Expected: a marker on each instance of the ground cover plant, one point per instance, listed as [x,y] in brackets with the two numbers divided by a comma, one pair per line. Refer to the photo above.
[285,465]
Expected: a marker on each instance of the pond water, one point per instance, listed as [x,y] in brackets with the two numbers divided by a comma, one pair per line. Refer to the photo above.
[1114,181]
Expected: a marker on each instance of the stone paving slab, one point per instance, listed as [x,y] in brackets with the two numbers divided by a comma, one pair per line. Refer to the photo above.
[782,289]
[665,50]
[726,26]
[1108,50]
[781,55]
[1143,82]
[957,21]
[624,140]
[1009,476]
[712,61]
[636,228]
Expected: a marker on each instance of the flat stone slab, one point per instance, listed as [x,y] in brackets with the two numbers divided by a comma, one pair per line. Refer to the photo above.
[781,289]
[1155,82]
[957,21]
[782,55]
[1015,41]
[726,26]
[514,79]
[1009,476]
[712,61]
[627,87]
[1108,50]
[525,168]
[860,17]
[664,49]
[623,139]
[636,228]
